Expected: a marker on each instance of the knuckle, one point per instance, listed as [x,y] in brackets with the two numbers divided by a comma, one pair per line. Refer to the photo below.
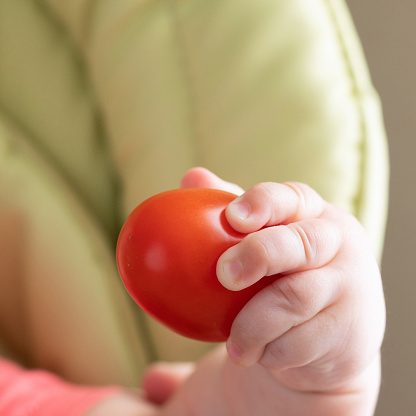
[288,296]
[280,356]
[308,200]
[306,241]
[293,299]
[276,356]
[300,189]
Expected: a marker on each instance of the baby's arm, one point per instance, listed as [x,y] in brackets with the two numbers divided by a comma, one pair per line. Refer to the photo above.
[309,343]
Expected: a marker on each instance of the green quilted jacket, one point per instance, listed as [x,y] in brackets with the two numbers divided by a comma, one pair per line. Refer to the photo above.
[104,103]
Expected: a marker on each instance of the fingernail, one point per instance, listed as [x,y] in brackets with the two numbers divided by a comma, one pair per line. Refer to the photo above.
[234,353]
[233,270]
[240,209]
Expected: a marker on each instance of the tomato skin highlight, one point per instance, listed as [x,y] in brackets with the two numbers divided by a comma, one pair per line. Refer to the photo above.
[167,253]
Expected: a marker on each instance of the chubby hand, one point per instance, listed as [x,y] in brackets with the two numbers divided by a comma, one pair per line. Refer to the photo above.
[320,325]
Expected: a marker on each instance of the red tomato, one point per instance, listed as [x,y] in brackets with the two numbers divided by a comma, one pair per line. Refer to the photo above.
[167,253]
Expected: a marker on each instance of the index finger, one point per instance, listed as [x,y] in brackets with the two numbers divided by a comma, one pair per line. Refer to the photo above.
[271,203]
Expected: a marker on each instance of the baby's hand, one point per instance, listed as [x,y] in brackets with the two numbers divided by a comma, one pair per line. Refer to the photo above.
[321,323]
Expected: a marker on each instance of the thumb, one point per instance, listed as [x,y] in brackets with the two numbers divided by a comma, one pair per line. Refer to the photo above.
[203,178]
[161,380]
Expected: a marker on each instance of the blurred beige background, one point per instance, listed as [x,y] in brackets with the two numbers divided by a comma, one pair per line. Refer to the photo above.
[387,30]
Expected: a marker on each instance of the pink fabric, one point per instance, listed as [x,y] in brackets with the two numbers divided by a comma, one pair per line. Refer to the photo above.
[39,393]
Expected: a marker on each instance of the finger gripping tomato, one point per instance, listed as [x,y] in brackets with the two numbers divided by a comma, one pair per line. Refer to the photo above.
[167,253]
